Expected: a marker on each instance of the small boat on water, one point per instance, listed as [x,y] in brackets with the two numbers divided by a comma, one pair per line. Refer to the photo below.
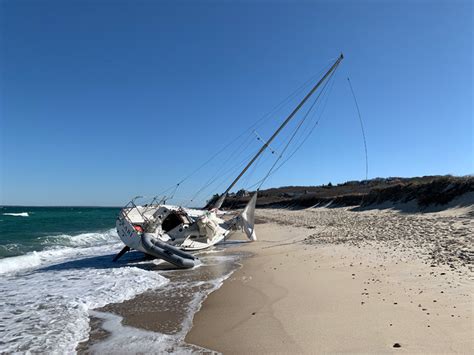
[173,232]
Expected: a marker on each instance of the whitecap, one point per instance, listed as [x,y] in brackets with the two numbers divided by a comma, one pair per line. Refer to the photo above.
[21,214]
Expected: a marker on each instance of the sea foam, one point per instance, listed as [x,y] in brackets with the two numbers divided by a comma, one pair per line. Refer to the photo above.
[46,295]
[127,340]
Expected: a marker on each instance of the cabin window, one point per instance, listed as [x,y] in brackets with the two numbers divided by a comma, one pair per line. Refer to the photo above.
[171,221]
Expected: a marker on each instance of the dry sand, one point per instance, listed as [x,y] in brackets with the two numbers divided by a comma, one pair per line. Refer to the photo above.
[336,280]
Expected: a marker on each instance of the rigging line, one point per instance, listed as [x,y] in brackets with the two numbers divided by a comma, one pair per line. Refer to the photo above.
[165,191]
[232,171]
[296,131]
[362,128]
[174,192]
[251,172]
[215,176]
[292,95]
[264,142]
[264,117]
[233,156]
[253,169]
[236,153]
[260,161]
[362,200]
[238,165]
[325,101]
[214,156]
[221,199]
[260,121]
[304,140]
[223,175]
[286,146]
[326,97]
[315,114]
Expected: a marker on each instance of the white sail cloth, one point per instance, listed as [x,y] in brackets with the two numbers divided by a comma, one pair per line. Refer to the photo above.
[247,219]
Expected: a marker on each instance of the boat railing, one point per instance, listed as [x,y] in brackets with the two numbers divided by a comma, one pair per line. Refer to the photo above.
[132,206]
[156,201]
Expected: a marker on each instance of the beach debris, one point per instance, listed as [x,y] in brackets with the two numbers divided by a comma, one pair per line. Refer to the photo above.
[397,345]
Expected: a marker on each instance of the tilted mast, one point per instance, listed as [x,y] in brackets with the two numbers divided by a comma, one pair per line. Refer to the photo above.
[219,202]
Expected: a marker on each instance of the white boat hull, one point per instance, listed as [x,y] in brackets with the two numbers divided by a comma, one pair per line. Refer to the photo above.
[164,231]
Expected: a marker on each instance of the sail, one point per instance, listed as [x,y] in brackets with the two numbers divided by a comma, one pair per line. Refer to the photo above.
[248,218]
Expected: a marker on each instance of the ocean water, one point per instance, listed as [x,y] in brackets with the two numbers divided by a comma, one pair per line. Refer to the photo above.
[26,229]
[56,268]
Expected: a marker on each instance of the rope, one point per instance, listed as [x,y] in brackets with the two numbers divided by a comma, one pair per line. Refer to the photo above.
[362,128]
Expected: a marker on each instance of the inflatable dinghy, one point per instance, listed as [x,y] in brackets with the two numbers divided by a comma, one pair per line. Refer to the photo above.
[167,252]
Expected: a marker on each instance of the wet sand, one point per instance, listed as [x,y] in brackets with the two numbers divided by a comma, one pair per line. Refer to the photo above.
[158,320]
[335,280]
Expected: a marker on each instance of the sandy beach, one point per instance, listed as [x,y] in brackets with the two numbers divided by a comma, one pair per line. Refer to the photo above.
[333,280]
[318,280]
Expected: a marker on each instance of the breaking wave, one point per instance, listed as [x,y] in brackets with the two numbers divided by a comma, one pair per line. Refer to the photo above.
[82,240]
[46,295]
[59,248]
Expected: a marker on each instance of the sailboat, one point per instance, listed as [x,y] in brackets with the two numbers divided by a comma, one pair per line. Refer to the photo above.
[172,233]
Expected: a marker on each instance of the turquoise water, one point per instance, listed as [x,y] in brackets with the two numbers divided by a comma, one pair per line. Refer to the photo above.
[26,229]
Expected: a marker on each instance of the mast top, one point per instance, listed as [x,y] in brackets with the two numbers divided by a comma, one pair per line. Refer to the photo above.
[219,202]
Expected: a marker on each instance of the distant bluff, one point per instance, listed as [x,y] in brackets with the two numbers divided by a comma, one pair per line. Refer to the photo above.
[423,192]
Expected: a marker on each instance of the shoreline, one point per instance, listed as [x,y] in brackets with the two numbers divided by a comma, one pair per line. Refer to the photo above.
[160,318]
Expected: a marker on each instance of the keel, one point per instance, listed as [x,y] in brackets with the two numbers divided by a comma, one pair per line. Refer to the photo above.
[123,251]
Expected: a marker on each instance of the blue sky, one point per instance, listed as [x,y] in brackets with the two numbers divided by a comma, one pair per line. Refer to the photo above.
[104,100]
